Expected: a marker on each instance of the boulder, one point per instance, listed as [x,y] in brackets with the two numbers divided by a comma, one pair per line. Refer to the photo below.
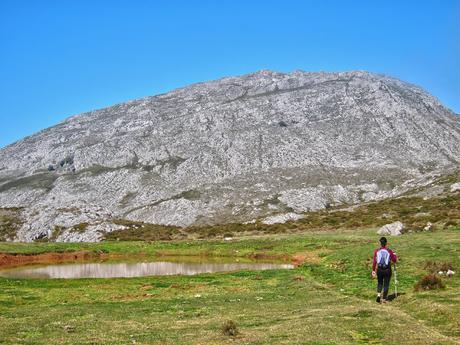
[393,229]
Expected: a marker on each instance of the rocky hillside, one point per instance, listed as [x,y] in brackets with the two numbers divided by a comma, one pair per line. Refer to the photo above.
[230,150]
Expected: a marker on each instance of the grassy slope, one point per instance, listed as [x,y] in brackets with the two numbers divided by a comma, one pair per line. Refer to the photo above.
[328,300]
[415,212]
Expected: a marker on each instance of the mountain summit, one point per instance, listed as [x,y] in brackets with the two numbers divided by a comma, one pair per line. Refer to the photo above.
[231,150]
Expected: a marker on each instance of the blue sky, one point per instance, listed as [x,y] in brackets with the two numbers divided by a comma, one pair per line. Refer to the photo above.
[60,58]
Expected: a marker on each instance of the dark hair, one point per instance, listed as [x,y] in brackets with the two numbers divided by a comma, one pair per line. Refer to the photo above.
[383,241]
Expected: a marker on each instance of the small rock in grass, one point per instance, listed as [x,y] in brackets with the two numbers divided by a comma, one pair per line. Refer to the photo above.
[455,187]
[69,328]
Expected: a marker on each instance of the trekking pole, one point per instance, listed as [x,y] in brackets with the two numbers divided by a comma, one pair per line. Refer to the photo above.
[396,282]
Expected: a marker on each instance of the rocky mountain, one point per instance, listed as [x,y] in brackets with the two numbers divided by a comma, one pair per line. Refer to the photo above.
[231,150]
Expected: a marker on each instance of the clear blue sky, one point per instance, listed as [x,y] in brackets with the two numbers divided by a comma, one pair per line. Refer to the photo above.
[59,58]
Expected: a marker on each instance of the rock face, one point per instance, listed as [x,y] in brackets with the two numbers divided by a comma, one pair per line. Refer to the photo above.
[230,150]
[393,229]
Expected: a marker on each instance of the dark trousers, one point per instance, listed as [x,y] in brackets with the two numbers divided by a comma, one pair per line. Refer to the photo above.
[383,280]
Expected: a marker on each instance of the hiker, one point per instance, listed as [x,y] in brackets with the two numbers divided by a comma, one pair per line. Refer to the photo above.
[382,262]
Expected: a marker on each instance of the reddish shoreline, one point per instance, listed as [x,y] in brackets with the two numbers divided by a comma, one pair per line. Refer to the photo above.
[9,260]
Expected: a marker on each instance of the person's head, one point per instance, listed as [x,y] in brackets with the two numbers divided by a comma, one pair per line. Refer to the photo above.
[383,241]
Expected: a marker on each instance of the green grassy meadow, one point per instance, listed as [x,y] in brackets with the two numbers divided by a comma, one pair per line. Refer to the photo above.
[329,299]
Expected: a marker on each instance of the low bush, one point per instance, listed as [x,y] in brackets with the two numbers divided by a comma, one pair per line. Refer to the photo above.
[229,328]
[429,282]
[434,267]
[79,228]
[10,222]
[450,223]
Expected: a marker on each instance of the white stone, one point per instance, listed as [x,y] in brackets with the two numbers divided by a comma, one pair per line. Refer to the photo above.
[428,227]
[455,187]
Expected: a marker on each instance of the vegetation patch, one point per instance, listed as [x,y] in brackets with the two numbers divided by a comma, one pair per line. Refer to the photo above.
[429,282]
[189,195]
[435,267]
[57,231]
[450,222]
[229,328]
[140,231]
[414,212]
[10,222]
[37,181]
[79,228]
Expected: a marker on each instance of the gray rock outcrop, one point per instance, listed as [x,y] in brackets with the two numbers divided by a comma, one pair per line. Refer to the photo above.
[393,229]
[230,150]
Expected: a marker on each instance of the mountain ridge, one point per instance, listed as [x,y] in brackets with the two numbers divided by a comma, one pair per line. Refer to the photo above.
[217,151]
[262,71]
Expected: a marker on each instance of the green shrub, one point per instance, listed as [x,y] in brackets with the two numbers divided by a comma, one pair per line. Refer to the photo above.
[80,228]
[229,328]
[10,222]
[434,267]
[450,223]
[429,282]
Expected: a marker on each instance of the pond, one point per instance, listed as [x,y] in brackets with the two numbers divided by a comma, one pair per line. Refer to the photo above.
[131,269]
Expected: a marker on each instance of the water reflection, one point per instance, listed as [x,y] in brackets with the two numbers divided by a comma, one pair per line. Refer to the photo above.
[139,269]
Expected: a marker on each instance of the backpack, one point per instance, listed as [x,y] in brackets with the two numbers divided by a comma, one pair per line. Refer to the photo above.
[383,258]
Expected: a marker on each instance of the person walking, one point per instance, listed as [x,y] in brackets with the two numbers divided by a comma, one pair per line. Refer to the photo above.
[381,268]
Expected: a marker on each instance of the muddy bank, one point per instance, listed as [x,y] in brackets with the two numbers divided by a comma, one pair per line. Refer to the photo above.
[11,260]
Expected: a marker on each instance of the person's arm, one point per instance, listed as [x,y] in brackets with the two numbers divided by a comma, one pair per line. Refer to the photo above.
[393,256]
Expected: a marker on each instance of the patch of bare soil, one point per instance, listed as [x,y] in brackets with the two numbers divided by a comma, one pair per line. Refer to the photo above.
[301,258]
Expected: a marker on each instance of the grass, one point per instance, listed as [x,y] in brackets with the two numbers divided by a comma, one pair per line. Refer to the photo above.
[329,299]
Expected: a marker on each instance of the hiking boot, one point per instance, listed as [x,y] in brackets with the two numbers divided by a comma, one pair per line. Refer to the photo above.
[384,301]
[378,299]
